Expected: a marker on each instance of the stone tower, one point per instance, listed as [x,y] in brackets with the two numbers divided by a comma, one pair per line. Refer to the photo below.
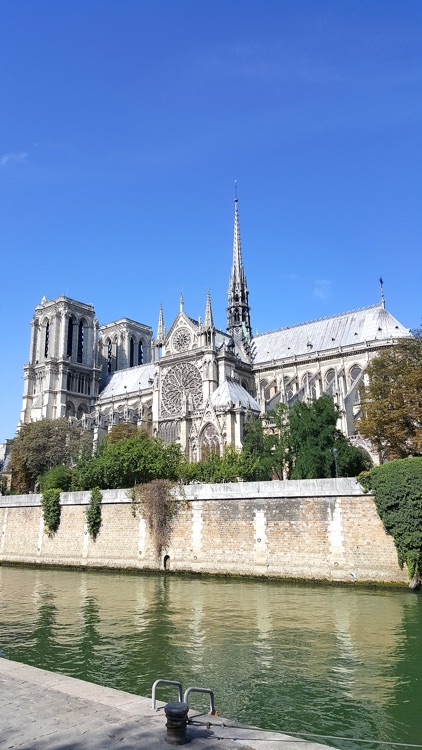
[61,378]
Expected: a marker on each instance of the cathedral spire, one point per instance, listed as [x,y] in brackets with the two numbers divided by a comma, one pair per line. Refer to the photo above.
[382,292]
[161,331]
[238,317]
[208,321]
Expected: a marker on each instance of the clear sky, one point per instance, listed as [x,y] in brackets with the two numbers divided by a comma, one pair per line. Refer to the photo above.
[124,124]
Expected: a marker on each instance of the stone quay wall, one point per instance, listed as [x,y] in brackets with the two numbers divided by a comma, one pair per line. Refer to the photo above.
[325,529]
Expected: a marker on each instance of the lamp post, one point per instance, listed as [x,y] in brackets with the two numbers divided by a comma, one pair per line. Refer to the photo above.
[335,454]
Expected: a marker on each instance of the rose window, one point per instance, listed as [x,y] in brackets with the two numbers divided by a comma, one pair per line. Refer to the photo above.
[181,381]
[181,340]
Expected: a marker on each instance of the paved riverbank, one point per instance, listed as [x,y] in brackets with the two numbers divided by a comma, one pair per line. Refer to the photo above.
[42,710]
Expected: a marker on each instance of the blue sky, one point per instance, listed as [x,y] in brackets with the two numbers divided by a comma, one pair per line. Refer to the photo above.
[124,125]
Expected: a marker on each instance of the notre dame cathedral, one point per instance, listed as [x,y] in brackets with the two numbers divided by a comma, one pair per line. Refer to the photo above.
[193,383]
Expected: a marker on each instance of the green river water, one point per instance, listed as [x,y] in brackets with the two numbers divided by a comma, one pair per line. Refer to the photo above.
[330,660]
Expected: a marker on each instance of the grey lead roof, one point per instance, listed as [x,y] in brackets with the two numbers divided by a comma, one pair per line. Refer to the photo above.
[372,323]
[231,392]
[134,378]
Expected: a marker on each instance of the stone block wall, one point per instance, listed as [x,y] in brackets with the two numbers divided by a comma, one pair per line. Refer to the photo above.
[324,530]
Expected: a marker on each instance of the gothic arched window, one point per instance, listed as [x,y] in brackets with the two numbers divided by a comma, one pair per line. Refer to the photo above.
[210,441]
[81,331]
[109,355]
[140,353]
[330,381]
[69,337]
[47,338]
[131,352]
[355,373]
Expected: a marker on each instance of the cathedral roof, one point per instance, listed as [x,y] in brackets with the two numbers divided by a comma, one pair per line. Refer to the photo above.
[352,328]
[231,392]
[128,381]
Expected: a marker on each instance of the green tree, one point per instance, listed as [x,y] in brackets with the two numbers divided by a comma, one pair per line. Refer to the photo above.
[59,477]
[392,400]
[279,446]
[41,445]
[313,438]
[258,445]
[127,462]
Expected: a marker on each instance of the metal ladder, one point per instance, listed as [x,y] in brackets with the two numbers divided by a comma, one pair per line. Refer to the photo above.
[188,691]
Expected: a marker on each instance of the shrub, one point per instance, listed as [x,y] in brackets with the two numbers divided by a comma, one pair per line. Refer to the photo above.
[397,489]
[59,477]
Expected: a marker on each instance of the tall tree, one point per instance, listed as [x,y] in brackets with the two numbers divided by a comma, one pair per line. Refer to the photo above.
[392,400]
[41,445]
[318,448]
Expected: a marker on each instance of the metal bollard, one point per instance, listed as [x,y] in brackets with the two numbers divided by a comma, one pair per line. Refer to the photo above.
[177,717]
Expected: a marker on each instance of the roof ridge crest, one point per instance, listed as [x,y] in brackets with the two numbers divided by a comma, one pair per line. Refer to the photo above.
[318,320]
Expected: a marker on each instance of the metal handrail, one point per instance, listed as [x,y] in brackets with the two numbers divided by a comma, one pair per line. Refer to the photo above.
[188,690]
[165,682]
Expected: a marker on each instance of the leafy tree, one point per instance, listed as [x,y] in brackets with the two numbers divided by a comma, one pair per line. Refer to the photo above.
[257,449]
[392,400]
[41,445]
[59,477]
[397,489]
[314,436]
[127,462]
[121,431]
[280,447]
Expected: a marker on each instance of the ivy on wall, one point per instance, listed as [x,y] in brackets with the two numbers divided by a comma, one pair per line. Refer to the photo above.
[93,513]
[50,501]
[397,489]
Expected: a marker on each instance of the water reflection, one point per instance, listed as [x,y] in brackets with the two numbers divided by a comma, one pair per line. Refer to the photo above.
[318,659]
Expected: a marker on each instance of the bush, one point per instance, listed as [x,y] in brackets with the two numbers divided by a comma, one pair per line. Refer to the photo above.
[127,462]
[59,477]
[397,489]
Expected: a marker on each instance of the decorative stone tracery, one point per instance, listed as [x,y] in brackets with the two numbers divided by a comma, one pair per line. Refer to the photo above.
[180,381]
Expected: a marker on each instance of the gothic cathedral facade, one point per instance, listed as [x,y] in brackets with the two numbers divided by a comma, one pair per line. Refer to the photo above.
[193,383]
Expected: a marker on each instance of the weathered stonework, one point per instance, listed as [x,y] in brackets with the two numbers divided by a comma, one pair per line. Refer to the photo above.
[324,530]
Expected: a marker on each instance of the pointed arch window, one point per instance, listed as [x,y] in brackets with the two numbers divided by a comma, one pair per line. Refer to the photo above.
[140,353]
[109,355]
[80,341]
[210,442]
[330,381]
[69,337]
[47,338]
[131,353]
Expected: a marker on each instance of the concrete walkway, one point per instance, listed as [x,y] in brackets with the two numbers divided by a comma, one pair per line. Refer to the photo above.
[42,710]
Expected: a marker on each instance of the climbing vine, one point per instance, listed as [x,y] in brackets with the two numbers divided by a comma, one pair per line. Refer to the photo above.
[50,501]
[93,513]
[397,489]
[158,505]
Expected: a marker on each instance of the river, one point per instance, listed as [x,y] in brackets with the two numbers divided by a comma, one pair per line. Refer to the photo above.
[331,660]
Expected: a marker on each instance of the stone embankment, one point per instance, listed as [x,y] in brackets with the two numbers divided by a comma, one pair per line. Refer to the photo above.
[325,529]
[40,710]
